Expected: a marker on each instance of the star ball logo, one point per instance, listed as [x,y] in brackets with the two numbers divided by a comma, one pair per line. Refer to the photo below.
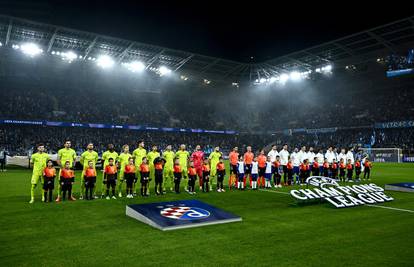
[182,212]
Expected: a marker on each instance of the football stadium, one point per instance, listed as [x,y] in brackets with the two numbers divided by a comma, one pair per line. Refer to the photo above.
[116,150]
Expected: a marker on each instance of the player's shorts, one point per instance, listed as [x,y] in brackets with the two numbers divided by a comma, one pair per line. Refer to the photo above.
[49,183]
[66,183]
[36,176]
[90,181]
[240,176]
[248,169]
[262,171]
[213,171]
[206,176]
[296,169]
[184,173]
[254,176]
[110,180]
[192,177]
[130,178]
[177,175]
[268,176]
[144,177]
[158,176]
[233,169]
[168,172]
[199,171]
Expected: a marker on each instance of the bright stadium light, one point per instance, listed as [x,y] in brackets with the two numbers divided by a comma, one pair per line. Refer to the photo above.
[69,56]
[164,71]
[273,79]
[284,78]
[295,76]
[262,80]
[1,44]
[327,68]
[135,66]
[104,61]
[31,49]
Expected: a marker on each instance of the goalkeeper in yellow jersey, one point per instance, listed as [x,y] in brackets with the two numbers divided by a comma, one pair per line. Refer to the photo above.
[38,161]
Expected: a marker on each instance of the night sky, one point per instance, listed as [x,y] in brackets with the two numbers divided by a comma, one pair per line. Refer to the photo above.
[235,31]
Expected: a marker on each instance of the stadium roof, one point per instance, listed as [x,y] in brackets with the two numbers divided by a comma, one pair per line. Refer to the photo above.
[390,38]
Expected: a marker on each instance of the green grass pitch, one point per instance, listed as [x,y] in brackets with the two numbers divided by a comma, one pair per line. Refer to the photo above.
[275,231]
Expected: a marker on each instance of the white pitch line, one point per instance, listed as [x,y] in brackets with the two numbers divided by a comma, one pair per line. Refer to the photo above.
[277,192]
[390,208]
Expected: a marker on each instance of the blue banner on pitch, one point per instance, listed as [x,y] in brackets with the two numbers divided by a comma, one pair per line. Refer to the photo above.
[402,187]
[179,214]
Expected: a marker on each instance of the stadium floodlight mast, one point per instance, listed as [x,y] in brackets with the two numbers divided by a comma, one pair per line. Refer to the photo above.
[104,61]
[135,66]
[30,49]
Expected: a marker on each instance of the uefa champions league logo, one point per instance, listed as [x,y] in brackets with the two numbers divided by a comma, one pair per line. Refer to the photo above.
[340,196]
[182,212]
[321,181]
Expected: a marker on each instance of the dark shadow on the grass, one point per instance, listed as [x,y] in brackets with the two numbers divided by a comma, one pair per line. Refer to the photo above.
[306,203]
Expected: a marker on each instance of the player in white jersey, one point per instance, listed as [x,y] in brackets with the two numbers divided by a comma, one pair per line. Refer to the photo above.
[240,173]
[268,173]
[302,155]
[284,158]
[321,160]
[295,157]
[255,173]
[273,153]
[311,155]
[350,156]
[330,156]
[342,155]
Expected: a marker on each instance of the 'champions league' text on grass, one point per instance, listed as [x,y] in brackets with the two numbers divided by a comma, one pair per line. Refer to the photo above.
[344,196]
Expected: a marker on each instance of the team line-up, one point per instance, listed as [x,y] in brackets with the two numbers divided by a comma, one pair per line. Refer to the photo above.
[170,168]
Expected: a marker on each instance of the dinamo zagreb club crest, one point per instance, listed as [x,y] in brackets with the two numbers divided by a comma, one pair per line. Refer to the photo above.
[184,213]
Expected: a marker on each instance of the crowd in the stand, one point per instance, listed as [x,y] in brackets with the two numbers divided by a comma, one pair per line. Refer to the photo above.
[209,111]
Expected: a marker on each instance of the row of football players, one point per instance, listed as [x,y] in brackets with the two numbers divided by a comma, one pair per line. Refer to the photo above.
[173,166]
